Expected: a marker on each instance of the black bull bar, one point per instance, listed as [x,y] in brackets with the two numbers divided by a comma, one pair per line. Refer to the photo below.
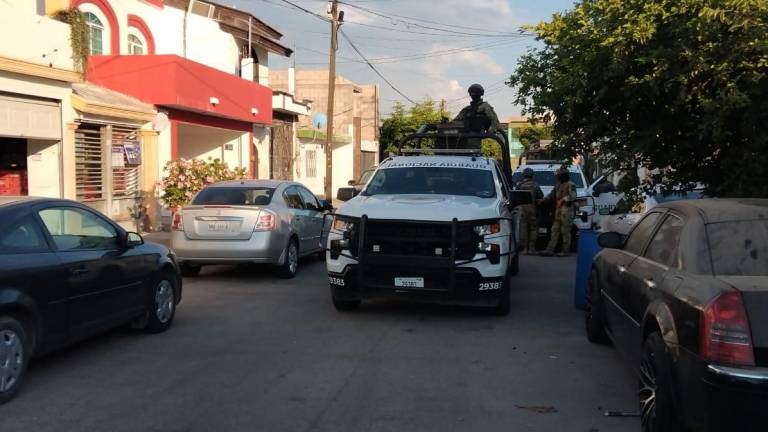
[449,263]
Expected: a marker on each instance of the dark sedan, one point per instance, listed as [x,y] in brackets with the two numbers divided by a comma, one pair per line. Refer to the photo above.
[684,299]
[67,272]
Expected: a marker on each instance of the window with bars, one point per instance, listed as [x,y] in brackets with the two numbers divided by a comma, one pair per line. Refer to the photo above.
[89,162]
[125,169]
[311,159]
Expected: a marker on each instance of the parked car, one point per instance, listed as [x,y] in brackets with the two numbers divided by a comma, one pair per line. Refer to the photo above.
[684,299]
[249,221]
[67,272]
[438,227]
[622,217]
[355,186]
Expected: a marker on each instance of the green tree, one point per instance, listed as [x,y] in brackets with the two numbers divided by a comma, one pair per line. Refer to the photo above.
[403,122]
[676,86]
[532,134]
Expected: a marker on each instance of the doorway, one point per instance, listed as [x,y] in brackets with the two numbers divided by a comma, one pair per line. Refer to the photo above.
[13,167]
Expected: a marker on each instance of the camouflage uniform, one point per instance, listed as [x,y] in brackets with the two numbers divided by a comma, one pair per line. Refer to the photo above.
[564,194]
[529,227]
[480,116]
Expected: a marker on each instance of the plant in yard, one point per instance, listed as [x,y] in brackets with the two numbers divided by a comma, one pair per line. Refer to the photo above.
[675,86]
[185,178]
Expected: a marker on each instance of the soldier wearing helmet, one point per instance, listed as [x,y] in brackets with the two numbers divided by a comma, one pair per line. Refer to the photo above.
[563,195]
[529,227]
[479,115]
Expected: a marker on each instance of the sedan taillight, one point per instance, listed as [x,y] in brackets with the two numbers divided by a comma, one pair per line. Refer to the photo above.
[177,224]
[725,336]
[267,221]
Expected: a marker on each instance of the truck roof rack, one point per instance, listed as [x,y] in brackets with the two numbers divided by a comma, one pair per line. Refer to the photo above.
[455,138]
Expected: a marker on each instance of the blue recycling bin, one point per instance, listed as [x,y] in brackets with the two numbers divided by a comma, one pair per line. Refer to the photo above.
[587,250]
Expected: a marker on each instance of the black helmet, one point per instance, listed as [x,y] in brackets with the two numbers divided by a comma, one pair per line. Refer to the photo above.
[528,173]
[476,88]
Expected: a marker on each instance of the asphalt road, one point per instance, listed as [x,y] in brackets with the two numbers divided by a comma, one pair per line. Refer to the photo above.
[249,352]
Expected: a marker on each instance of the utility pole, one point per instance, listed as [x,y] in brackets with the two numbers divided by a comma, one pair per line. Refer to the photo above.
[442,109]
[334,17]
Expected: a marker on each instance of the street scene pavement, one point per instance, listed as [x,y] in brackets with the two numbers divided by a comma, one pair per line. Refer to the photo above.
[248,351]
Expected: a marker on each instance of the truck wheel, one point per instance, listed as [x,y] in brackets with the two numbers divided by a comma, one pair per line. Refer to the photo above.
[190,270]
[346,305]
[514,265]
[504,305]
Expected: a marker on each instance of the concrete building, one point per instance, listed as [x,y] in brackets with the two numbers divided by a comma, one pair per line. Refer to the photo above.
[166,79]
[356,127]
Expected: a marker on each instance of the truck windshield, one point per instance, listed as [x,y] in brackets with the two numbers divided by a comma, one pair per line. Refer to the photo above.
[548,178]
[432,181]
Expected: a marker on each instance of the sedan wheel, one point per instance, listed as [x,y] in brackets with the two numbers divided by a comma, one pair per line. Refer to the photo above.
[647,393]
[290,265]
[163,306]
[164,301]
[656,388]
[13,357]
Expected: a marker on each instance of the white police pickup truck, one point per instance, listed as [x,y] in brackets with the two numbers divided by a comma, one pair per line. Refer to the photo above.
[438,227]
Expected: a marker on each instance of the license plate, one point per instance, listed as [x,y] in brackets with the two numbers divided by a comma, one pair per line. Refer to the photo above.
[404,282]
[218,226]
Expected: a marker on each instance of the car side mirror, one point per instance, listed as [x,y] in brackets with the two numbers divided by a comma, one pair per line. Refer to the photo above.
[611,240]
[596,194]
[133,239]
[326,205]
[520,197]
[346,194]
[584,216]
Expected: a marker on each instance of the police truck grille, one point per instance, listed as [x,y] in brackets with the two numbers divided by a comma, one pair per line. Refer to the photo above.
[418,239]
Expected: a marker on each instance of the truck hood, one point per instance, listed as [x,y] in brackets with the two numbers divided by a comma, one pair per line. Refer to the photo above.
[421,207]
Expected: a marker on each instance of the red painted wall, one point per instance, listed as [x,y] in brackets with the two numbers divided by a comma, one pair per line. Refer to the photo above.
[175,82]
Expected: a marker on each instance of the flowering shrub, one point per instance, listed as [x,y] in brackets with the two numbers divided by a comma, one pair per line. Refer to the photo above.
[187,177]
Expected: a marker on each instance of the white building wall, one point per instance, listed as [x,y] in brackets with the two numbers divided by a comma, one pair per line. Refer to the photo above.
[45,40]
[261,136]
[43,168]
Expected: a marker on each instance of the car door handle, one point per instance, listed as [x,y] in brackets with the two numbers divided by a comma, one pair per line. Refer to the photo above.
[77,271]
[650,283]
[621,268]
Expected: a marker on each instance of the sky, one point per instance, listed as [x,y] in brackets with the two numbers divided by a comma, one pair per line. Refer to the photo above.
[405,42]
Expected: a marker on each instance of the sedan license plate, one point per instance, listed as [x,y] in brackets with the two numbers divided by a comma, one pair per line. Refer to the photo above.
[218,226]
[406,282]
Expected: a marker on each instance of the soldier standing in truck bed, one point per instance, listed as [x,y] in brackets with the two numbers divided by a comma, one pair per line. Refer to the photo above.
[479,115]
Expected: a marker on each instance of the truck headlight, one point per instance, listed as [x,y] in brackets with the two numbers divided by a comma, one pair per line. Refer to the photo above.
[487,229]
[343,226]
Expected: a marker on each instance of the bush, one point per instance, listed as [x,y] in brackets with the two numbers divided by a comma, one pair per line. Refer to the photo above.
[185,178]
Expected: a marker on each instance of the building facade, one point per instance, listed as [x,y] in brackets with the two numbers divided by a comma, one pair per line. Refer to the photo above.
[356,127]
[165,79]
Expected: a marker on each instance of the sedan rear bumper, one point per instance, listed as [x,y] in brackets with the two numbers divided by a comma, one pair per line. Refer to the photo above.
[262,247]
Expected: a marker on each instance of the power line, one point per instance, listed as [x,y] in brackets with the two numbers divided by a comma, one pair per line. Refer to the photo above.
[403,19]
[349,41]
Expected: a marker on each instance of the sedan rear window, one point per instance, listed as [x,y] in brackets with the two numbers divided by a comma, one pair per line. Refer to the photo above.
[234,196]
[739,248]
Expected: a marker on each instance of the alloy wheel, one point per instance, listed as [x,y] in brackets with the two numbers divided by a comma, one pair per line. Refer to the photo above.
[647,393]
[164,301]
[293,258]
[11,359]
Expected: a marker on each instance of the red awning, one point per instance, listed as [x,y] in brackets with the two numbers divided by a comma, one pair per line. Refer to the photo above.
[175,82]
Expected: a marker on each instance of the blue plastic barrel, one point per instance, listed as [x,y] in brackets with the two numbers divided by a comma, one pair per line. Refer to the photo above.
[587,250]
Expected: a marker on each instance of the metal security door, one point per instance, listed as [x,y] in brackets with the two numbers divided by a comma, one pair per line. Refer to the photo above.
[281,151]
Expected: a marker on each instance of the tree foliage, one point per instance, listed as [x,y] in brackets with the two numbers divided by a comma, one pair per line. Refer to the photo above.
[532,134]
[404,121]
[677,86]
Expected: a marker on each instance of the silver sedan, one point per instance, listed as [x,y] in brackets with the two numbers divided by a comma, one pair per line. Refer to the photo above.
[249,221]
